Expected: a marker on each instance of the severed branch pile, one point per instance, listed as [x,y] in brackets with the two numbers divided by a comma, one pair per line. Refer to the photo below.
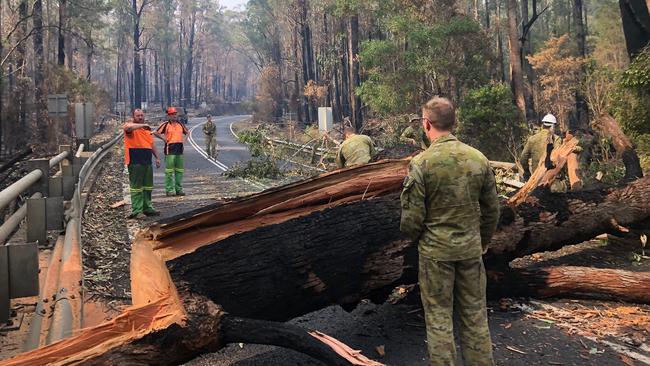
[226,273]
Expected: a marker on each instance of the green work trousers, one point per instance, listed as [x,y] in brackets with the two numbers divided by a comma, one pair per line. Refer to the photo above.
[211,146]
[141,185]
[458,286]
[174,173]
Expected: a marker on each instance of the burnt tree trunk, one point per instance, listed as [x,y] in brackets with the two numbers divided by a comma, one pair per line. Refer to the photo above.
[636,25]
[351,248]
[39,72]
[333,239]
[189,68]
[61,39]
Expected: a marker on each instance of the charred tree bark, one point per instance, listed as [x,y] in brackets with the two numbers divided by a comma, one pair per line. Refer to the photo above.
[39,71]
[636,25]
[355,250]
[137,65]
[189,69]
[502,72]
[62,26]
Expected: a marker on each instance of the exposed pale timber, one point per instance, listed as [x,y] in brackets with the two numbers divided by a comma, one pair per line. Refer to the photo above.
[543,177]
[329,240]
[572,281]
[168,327]
[608,127]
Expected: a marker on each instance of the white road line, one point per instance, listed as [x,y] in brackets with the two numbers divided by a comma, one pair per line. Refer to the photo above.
[215,162]
[231,130]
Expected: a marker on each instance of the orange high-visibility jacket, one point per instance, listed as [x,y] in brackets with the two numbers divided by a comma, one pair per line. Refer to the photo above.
[137,146]
[173,132]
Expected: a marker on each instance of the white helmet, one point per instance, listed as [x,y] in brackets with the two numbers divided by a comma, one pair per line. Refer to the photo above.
[549,120]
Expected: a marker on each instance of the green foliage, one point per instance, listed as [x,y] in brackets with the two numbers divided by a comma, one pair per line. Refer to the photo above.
[631,102]
[255,168]
[490,122]
[262,165]
[642,144]
[421,58]
[606,36]
[255,141]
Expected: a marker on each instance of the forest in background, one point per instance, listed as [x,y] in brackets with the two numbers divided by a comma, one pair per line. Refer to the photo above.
[505,63]
[158,52]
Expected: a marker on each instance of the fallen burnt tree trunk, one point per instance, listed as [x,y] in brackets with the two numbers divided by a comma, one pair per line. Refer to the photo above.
[286,258]
[169,327]
[330,240]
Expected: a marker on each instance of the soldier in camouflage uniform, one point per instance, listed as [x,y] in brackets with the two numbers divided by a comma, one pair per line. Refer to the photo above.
[355,150]
[450,207]
[414,135]
[535,148]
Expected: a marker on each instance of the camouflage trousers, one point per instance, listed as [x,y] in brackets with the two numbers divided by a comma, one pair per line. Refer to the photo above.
[457,286]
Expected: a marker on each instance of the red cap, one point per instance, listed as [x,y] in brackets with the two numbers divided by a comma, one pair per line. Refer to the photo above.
[171,110]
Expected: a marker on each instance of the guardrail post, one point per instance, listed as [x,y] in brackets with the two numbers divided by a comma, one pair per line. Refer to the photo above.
[37,220]
[23,269]
[68,177]
[4,285]
[43,184]
[56,185]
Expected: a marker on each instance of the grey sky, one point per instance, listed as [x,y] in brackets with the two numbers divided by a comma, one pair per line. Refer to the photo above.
[232,4]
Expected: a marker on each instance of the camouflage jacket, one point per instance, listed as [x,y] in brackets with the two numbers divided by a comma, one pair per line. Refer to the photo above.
[449,201]
[416,134]
[355,150]
[209,128]
[535,149]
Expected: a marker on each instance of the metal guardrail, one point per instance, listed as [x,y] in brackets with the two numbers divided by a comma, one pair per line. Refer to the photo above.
[64,281]
[14,220]
[44,210]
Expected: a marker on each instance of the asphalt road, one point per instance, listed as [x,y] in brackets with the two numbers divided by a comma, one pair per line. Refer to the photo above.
[229,150]
[197,162]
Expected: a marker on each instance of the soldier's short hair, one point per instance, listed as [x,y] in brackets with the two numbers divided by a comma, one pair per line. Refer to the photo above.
[348,130]
[440,112]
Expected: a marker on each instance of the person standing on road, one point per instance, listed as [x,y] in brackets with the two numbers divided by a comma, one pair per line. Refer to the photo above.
[210,132]
[173,132]
[355,150]
[138,149]
[450,207]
